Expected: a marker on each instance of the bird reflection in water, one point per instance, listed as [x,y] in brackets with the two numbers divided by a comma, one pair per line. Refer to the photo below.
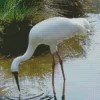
[63,91]
[54,93]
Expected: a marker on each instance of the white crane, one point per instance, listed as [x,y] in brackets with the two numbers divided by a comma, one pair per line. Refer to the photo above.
[50,32]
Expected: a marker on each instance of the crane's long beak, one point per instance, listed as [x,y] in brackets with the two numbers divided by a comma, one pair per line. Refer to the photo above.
[16,78]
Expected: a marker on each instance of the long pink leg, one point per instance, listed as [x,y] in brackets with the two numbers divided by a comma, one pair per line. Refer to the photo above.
[61,63]
[53,67]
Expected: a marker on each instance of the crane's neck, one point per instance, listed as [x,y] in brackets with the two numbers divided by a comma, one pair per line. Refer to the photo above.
[26,56]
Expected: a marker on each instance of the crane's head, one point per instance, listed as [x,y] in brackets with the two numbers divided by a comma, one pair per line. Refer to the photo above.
[14,70]
[84,22]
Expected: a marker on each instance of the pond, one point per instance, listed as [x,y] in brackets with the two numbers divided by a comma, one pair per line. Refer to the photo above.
[81,62]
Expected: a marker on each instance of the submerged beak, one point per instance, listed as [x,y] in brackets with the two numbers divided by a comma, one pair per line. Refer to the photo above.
[16,78]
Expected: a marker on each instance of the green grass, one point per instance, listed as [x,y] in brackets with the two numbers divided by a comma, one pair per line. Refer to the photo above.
[21,9]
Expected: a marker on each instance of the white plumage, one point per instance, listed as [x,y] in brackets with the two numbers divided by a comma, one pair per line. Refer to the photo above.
[50,32]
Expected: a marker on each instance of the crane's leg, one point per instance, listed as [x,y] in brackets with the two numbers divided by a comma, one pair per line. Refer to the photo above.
[53,67]
[61,63]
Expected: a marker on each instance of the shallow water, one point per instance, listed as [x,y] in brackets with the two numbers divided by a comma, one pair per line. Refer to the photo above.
[81,60]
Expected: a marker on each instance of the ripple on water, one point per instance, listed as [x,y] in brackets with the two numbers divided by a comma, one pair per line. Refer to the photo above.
[31,89]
